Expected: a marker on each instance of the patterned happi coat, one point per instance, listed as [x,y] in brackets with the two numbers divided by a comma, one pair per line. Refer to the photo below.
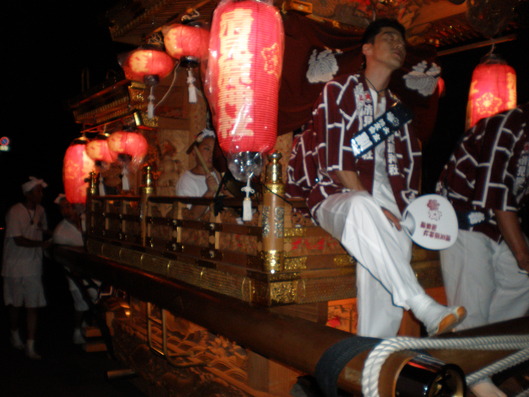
[345,107]
[489,170]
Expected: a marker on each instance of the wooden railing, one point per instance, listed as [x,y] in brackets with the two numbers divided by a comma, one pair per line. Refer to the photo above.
[279,257]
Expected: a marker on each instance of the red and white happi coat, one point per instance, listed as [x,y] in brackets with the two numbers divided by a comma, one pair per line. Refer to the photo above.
[345,106]
[489,170]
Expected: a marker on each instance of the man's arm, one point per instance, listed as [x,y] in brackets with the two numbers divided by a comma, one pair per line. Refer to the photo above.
[512,233]
[26,242]
[348,179]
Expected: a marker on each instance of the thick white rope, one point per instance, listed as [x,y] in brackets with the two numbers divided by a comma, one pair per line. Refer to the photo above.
[383,350]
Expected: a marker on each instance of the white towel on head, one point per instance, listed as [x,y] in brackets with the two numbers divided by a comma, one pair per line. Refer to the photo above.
[28,186]
[205,133]
[59,198]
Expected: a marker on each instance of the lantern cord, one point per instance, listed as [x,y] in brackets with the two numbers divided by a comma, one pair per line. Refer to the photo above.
[492,48]
[173,81]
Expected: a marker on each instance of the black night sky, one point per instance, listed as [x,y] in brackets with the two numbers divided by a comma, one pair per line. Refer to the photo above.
[49,44]
[45,51]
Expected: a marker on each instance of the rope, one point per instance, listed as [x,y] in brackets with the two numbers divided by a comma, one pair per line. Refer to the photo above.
[382,351]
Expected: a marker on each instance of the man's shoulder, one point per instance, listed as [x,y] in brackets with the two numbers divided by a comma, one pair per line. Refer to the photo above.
[16,208]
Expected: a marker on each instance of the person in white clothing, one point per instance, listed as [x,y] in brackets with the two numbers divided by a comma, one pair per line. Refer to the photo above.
[24,243]
[358,189]
[202,180]
[69,231]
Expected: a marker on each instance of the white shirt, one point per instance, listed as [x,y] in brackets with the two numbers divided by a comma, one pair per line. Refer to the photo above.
[65,233]
[382,191]
[21,222]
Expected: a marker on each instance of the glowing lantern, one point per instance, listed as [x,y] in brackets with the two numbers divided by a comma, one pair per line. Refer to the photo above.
[242,81]
[492,90]
[189,43]
[184,41]
[148,65]
[97,149]
[132,143]
[76,170]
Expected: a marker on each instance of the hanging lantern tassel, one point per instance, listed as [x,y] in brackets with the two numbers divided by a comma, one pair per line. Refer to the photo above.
[192,90]
[247,201]
[150,106]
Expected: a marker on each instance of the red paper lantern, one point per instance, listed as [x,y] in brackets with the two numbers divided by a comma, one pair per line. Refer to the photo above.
[492,90]
[183,41]
[244,69]
[76,169]
[147,65]
[97,149]
[132,143]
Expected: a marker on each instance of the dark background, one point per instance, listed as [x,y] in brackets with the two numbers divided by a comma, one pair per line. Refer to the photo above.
[50,47]
[46,51]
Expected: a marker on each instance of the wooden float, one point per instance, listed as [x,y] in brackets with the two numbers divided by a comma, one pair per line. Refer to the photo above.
[215,305]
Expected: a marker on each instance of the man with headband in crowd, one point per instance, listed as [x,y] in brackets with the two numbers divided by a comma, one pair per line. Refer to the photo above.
[26,227]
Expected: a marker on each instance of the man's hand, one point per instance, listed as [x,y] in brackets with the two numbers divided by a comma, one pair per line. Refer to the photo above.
[392,218]
[512,233]
[212,184]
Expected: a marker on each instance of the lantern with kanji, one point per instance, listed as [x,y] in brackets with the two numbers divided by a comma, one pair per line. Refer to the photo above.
[148,64]
[242,81]
[76,170]
[130,143]
[98,150]
[492,90]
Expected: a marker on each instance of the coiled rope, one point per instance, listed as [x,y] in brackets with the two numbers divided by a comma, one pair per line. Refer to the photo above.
[384,349]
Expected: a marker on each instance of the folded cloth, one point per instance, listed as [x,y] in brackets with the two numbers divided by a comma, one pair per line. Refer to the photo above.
[28,186]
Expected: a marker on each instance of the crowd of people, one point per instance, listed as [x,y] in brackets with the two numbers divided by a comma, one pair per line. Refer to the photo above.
[356,189]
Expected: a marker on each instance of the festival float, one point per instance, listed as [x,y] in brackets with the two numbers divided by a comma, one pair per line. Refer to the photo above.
[252,298]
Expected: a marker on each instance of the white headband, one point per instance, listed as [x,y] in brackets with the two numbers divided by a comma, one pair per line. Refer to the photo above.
[28,186]
[205,133]
[59,198]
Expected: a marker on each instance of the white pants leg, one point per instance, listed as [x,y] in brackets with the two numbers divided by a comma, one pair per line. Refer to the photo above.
[511,296]
[482,275]
[385,279]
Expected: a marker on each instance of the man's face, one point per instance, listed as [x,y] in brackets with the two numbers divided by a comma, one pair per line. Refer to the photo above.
[388,49]
[67,210]
[35,195]
[206,148]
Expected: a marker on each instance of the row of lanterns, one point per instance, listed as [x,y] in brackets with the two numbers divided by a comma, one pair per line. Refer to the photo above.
[81,156]
[245,57]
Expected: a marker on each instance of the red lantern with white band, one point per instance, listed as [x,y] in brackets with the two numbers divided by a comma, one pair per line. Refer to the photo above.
[186,41]
[242,81]
[148,65]
[76,170]
[492,90]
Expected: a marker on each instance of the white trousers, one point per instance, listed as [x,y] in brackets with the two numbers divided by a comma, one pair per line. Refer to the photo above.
[385,279]
[482,275]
